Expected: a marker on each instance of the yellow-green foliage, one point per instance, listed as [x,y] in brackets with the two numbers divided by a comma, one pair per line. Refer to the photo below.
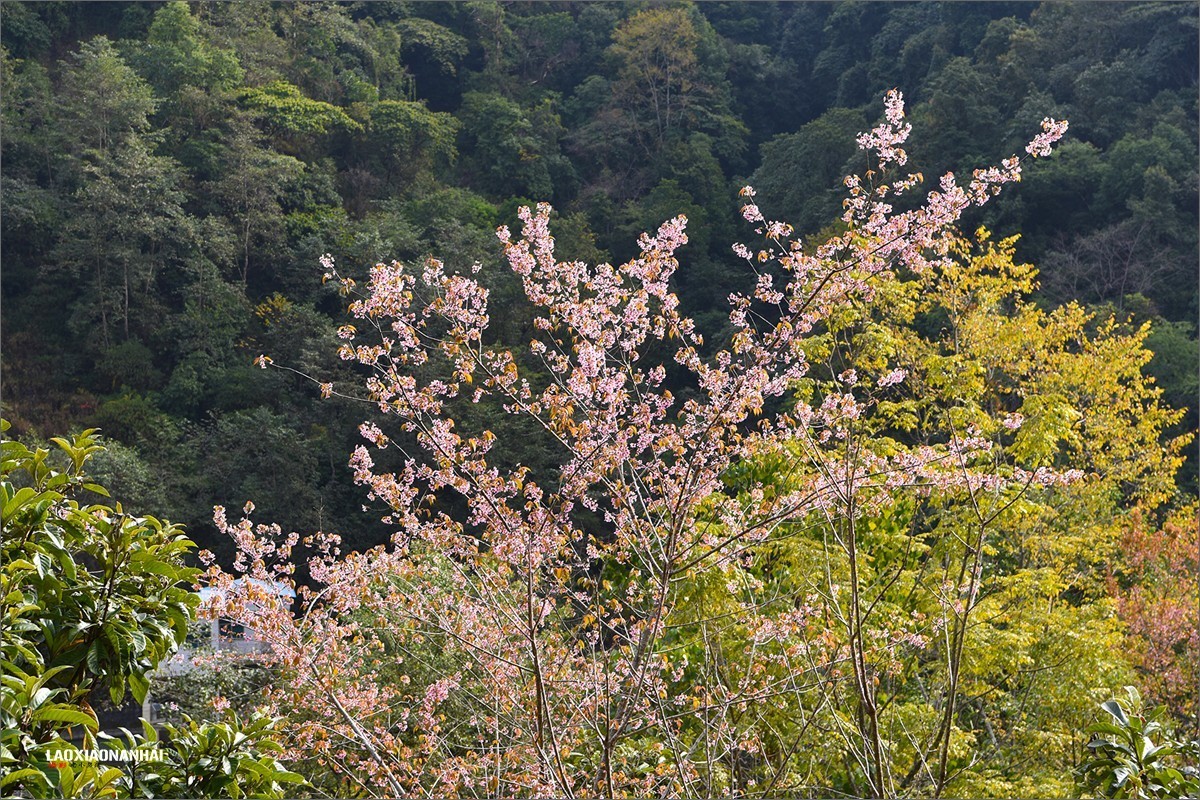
[1041,643]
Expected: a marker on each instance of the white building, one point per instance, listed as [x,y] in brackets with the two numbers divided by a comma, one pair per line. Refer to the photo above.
[217,635]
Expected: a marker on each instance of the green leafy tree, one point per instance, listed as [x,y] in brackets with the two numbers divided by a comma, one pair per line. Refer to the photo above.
[177,54]
[512,152]
[92,599]
[251,33]
[254,182]
[234,758]
[296,121]
[410,141]
[91,603]
[105,101]
[33,150]
[127,222]
[950,598]
[1133,755]
[434,53]
[670,76]
[546,43]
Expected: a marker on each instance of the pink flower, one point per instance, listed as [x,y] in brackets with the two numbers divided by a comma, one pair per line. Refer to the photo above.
[892,378]
[1052,131]
[1013,421]
[886,138]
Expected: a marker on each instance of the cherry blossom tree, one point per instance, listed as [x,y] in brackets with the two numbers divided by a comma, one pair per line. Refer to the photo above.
[1158,596]
[528,653]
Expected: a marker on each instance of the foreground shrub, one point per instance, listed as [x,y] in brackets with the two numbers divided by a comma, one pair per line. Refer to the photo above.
[93,598]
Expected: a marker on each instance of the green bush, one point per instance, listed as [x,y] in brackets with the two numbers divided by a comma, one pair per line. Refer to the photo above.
[92,599]
[1135,756]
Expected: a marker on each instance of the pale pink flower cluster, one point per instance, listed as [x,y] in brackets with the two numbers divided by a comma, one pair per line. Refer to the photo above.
[1043,143]
[1013,421]
[886,138]
[435,694]
[892,378]
[371,432]
[907,239]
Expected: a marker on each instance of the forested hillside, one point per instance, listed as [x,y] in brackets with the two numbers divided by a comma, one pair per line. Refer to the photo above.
[850,477]
[172,172]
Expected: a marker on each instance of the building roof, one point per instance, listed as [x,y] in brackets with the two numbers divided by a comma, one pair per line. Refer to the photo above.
[279,588]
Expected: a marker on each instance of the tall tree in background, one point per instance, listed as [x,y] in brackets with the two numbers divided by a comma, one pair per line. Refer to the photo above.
[178,59]
[127,212]
[127,219]
[106,103]
[254,180]
[659,71]
[670,80]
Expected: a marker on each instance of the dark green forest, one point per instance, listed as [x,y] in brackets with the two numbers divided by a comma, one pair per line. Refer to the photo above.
[172,173]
